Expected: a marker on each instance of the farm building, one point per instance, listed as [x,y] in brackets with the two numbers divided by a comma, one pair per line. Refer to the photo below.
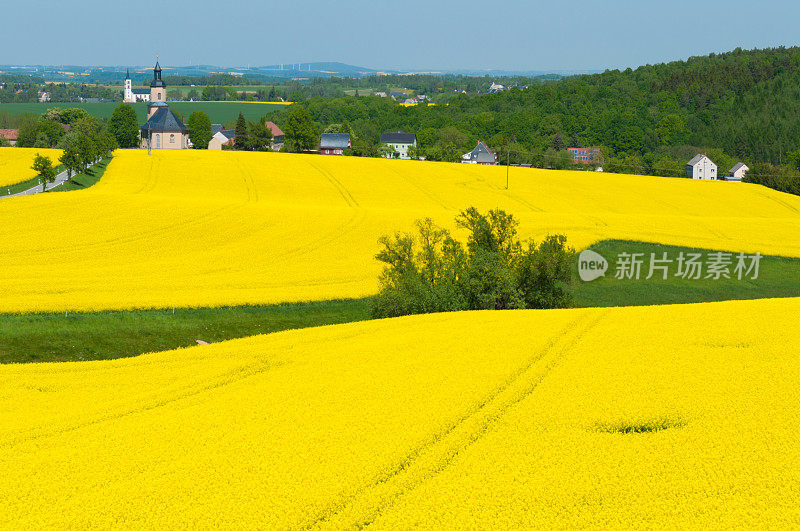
[163,130]
[400,142]
[701,167]
[334,143]
[10,135]
[737,173]
[480,155]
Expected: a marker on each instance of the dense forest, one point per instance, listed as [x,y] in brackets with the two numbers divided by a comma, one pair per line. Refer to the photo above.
[742,105]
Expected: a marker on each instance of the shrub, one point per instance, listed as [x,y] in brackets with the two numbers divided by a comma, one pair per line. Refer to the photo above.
[433,272]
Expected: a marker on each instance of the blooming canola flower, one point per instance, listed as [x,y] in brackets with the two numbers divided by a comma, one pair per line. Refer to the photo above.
[665,416]
[204,228]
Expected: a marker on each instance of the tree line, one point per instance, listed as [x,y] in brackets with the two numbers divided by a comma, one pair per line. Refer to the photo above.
[738,106]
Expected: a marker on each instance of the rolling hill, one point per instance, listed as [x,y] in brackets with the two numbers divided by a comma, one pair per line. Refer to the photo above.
[198,228]
[661,416]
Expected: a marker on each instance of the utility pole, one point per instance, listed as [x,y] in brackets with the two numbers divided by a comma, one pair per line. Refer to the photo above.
[508,157]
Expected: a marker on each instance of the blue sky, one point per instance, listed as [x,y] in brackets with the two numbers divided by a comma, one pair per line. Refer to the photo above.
[432,35]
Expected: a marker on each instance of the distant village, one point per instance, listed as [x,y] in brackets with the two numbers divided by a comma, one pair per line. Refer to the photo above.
[164,130]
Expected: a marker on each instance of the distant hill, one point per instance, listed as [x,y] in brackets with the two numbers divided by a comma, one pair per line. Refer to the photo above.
[104,74]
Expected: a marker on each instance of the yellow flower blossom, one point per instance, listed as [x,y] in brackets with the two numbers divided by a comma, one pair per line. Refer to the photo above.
[651,417]
[15,163]
[205,228]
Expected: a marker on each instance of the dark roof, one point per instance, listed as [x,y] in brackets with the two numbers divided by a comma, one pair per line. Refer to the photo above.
[334,141]
[140,91]
[157,77]
[164,120]
[697,158]
[481,153]
[737,167]
[216,128]
[229,133]
[398,138]
[128,74]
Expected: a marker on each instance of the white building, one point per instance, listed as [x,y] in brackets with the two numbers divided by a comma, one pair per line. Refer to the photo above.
[132,95]
[400,142]
[738,172]
[701,167]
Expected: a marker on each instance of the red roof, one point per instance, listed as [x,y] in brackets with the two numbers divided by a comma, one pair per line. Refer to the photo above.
[276,131]
[9,134]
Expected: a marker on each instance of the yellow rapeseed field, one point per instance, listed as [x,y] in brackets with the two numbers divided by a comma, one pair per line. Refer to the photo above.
[649,417]
[198,228]
[15,163]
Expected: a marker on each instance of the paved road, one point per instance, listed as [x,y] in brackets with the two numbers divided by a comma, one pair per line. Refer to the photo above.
[61,178]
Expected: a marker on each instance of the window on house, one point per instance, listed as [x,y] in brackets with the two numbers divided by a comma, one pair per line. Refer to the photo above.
[159,95]
[171,139]
[158,141]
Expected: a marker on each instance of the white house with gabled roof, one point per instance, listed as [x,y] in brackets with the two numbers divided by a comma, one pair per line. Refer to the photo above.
[701,167]
[737,173]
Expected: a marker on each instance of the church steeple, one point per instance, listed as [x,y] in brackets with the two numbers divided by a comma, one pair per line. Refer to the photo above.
[157,82]
[128,73]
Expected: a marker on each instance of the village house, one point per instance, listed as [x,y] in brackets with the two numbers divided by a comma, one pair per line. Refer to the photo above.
[586,155]
[220,138]
[495,88]
[480,155]
[10,134]
[334,143]
[278,136]
[400,142]
[227,137]
[163,130]
[701,167]
[737,173]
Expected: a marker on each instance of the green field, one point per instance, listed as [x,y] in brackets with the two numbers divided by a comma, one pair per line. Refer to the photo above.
[219,112]
[778,277]
[108,335]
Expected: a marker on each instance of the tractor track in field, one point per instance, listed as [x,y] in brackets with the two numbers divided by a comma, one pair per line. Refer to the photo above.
[435,455]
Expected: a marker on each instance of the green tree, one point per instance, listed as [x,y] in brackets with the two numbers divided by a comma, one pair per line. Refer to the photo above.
[433,272]
[242,141]
[43,167]
[28,131]
[301,134]
[260,136]
[41,140]
[558,143]
[124,125]
[199,126]
[51,129]
[71,160]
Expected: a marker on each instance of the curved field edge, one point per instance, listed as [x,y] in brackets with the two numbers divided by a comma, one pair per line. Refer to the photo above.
[207,229]
[15,166]
[81,336]
[403,422]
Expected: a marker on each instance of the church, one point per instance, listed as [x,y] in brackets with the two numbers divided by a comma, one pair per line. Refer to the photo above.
[163,130]
[132,95]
